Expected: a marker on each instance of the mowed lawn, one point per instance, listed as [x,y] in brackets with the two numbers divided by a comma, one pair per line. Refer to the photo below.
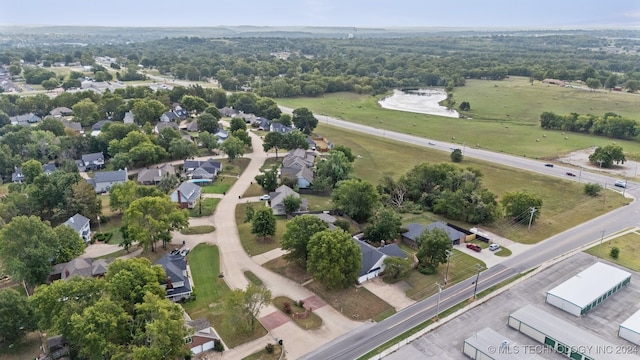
[210,289]
[251,243]
[564,202]
[504,118]
[629,255]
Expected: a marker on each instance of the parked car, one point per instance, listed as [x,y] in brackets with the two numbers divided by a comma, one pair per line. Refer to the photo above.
[265,197]
[548,165]
[620,183]
[569,173]
[494,247]
[474,247]
[184,252]
[431,143]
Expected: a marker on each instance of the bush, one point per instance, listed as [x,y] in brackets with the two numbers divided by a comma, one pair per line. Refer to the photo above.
[105,219]
[103,237]
[218,346]
[269,348]
[342,224]
[592,189]
[615,252]
[287,307]
[301,303]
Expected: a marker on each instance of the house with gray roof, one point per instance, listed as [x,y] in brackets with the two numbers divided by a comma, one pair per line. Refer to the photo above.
[25,119]
[303,176]
[204,336]
[228,112]
[222,135]
[84,267]
[97,127]
[373,259]
[81,225]
[18,177]
[169,116]
[61,111]
[414,230]
[277,200]
[198,169]
[278,127]
[93,161]
[153,175]
[177,283]
[296,166]
[186,195]
[161,125]
[192,126]
[103,181]
[71,125]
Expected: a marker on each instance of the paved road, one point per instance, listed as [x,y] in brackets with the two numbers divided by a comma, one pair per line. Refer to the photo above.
[361,341]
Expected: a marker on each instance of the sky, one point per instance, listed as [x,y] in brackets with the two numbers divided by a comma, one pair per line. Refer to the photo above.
[343,13]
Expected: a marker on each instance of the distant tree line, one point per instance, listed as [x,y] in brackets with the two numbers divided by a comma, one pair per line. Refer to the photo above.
[609,125]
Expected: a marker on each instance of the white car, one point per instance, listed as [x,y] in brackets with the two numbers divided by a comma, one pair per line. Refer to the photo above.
[494,247]
[620,183]
[265,197]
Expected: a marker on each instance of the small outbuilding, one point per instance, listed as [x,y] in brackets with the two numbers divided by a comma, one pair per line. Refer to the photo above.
[488,344]
[630,328]
[588,288]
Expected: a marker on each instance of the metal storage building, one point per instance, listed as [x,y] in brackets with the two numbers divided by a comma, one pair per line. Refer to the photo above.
[488,344]
[630,328]
[588,288]
[564,337]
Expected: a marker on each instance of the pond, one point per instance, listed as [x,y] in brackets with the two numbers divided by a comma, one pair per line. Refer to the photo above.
[423,101]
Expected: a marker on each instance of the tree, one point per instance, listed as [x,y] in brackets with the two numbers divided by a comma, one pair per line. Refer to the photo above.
[334,168]
[263,223]
[432,250]
[291,204]
[208,140]
[67,244]
[208,123]
[182,149]
[166,136]
[296,237]
[213,111]
[242,135]
[357,198]
[194,103]
[52,125]
[396,268]
[304,120]
[31,169]
[233,147]
[128,281]
[606,155]
[295,140]
[168,183]
[148,219]
[334,258]
[385,225]
[519,206]
[237,123]
[273,140]
[86,111]
[269,179]
[348,153]
[593,83]
[632,85]
[592,189]
[242,306]
[122,195]
[464,106]
[17,316]
[147,110]
[456,155]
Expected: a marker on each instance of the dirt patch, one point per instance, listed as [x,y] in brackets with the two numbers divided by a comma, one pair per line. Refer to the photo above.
[580,159]
[350,301]
[289,270]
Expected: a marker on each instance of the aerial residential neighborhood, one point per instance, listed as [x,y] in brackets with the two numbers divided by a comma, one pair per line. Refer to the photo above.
[253,192]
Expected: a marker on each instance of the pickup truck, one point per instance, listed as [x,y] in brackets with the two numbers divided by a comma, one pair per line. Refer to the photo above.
[474,247]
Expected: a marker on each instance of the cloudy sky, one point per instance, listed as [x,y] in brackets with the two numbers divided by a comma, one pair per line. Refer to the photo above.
[356,13]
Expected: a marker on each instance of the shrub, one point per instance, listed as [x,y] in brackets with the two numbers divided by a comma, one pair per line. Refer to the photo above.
[104,237]
[287,307]
[342,224]
[615,252]
[105,219]
[218,346]
[269,348]
[301,303]
[592,189]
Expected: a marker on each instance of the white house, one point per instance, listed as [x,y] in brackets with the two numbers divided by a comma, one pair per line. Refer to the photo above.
[82,225]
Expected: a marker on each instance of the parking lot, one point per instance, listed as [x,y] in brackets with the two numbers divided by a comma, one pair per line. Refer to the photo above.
[446,341]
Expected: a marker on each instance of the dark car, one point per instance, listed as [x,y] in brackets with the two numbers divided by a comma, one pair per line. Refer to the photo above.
[474,247]
[569,173]
[548,165]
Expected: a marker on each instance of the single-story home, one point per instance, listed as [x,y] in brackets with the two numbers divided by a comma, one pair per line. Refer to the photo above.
[197,169]
[97,127]
[169,116]
[228,112]
[82,225]
[152,176]
[204,336]
[61,111]
[161,125]
[278,127]
[414,230]
[373,259]
[71,125]
[25,119]
[103,181]
[186,195]
[303,176]
[84,267]
[177,283]
[277,200]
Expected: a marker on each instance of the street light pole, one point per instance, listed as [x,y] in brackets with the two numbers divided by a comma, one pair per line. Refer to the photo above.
[475,288]
[580,174]
[601,239]
[446,274]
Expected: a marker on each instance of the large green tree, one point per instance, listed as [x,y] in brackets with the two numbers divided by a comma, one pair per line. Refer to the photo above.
[357,198]
[269,179]
[334,168]
[194,103]
[17,316]
[233,147]
[31,169]
[263,223]
[86,112]
[150,219]
[396,268]
[432,250]
[606,155]
[208,122]
[242,306]
[522,206]
[334,258]
[384,225]
[296,237]
[304,120]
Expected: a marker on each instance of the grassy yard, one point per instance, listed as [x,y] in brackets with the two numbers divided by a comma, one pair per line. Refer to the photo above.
[564,203]
[27,349]
[503,117]
[312,321]
[252,244]
[208,207]
[263,355]
[197,230]
[253,278]
[629,256]
[349,302]
[220,185]
[318,202]
[113,227]
[210,291]
[254,190]
[462,266]
[291,271]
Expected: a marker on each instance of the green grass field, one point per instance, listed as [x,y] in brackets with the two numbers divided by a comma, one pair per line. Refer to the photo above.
[197,230]
[629,256]
[252,245]
[504,116]
[208,207]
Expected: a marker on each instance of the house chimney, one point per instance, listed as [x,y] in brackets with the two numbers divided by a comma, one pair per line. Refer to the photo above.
[179,196]
[169,284]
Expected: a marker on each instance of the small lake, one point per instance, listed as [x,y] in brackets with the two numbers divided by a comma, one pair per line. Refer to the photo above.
[423,101]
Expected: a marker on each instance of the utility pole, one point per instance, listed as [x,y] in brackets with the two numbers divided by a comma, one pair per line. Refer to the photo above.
[600,162]
[580,174]
[446,274]
[601,240]
[475,288]
[438,303]
[533,211]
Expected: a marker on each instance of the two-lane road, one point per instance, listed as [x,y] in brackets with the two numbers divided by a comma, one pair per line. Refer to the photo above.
[367,337]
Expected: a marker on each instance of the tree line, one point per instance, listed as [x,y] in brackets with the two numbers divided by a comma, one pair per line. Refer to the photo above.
[609,125]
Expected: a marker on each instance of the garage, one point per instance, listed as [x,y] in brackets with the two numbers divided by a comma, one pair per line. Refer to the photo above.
[588,288]
[630,328]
